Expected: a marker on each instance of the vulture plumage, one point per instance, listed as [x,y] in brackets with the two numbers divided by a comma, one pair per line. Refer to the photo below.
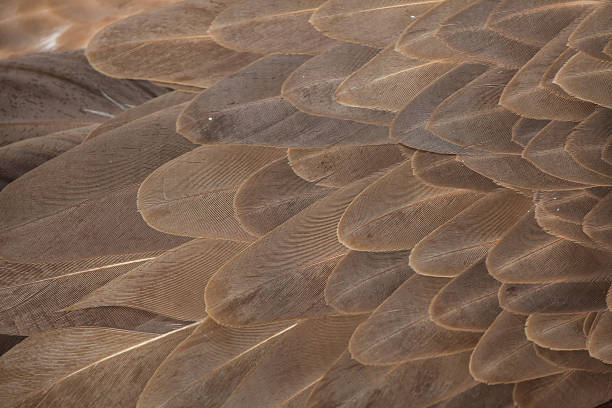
[306,203]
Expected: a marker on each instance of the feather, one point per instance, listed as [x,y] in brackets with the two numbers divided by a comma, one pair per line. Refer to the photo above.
[598,340]
[586,78]
[562,214]
[516,363]
[20,157]
[375,220]
[472,117]
[525,129]
[299,400]
[270,26]
[35,304]
[573,360]
[419,384]
[546,152]
[84,366]
[258,81]
[190,196]
[446,171]
[344,20]
[272,195]
[464,239]
[342,165]
[593,33]
[419,39]
[150,107]
[363,280]
[532,93]
[282,275]
[483,396]
[570,389]
[516,172]
[172,284]
[311,87]
[597,223]
[258,366]
[556,331]
[410,126]
[400,329]
[50,92]
[467,32]
[527,245]
[585,142]
[468,302]
[152,46]
[7,342]
[389,81]
[535,22]
[562,297]
[88,210]
[589,320]
[344,383]
[275,122]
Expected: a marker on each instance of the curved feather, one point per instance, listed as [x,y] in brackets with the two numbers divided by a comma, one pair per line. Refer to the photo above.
[586,78]
[344,20]
[37,303]
[531,92]
[342,165]
[569,389]
[472,116]
[557,260]
[363,280]
[148,46]
[598,340]
[446,171]
[592,35]
[258,81]
[410,126]
[467,32]
[191,196]
[282,275]
[258,366]
[561,297]
[276,122]
[483,396]
[556,331]
[468,302]
[587,140]
[536,22]
[311,87]
[516,172]
[464,239]
[418,383]
[505,355]
[171,284]
[50,92]
[525,129]
[88,210]
[400,329]
[573,360]
[597,223]
[389,81]
[375,220]
[546,151]
[80,366]
[272,195]
[20,157]
[419,39]
[270,26]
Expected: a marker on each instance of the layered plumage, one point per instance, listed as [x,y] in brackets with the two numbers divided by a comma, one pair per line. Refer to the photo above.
[340,203]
